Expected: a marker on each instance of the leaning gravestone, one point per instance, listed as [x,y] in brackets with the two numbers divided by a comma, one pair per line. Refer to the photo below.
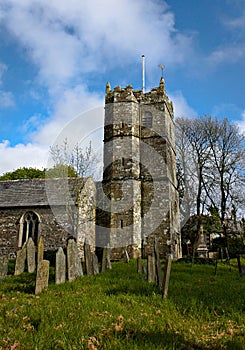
[74,266]
[20,261]
[167,271]
[40,250]
[60,267]
[42,276]
[3,267]
[31,255]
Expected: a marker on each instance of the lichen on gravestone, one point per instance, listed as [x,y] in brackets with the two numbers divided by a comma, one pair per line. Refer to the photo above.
[74,266]
[42,276]
[31,255]
[60,266]
[40,250]
[20,260]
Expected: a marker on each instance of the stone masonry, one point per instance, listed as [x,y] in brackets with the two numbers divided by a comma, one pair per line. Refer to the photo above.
[139,172]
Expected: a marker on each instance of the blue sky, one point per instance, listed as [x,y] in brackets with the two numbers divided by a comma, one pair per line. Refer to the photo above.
[56,57]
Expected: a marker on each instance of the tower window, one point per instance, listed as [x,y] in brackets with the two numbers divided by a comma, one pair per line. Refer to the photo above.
[147,119]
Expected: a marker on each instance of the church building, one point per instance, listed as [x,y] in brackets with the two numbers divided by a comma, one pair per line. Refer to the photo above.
[136,202]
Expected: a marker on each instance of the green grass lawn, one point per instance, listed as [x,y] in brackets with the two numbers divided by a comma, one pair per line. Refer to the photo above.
[119,309]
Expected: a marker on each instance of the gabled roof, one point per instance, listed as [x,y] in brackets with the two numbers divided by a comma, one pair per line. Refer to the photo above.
[38,192]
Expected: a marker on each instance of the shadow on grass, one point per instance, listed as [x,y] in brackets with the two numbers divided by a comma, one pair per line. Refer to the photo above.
[169,340]
[24,283]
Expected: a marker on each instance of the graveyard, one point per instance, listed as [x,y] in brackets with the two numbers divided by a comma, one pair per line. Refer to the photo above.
[120,303]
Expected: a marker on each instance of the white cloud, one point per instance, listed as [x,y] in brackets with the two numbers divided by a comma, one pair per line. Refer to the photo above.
[68,38]
[29,155]
[6,99]
[181,106]
[3,69]
[230,53]
[71,104]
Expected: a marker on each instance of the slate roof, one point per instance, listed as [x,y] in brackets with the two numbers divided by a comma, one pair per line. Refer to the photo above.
[37,192]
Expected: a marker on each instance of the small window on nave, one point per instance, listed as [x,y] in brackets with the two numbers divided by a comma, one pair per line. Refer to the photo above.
[29,227]
[147,119]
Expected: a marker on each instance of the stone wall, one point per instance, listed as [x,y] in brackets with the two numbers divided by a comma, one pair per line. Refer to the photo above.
[54,235]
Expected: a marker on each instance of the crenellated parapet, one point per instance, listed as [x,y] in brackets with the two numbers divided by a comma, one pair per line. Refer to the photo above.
[156,96]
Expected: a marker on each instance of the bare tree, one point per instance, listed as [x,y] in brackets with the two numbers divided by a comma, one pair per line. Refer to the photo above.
[193,153]
[226,171]
[74,168]
[210,158]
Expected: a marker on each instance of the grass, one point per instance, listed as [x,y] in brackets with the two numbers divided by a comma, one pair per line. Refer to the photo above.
[119,309]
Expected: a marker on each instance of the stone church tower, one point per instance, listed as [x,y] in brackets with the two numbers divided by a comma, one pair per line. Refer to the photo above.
[139,177]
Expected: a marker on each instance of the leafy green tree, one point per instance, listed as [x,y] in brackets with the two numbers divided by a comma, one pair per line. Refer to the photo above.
[24,173]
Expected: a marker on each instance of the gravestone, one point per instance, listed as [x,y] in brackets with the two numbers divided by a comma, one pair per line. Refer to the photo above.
[31,255]
[158,264]
[79,264]
[42,276]
[3,267]
[95,264]
[151,268]
[139,265]
[60,267]
[88,259]
[74,266]
[40,250]
[106,260]
[20,261]
[166,276]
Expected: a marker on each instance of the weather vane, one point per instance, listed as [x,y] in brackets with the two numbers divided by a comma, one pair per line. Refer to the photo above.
[162,68]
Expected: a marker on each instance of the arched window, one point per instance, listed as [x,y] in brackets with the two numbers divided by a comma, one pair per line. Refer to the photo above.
[29,227]
[147,119]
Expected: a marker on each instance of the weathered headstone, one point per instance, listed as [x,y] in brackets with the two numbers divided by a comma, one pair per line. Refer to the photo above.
[60,267]
[108,257]
[20,261]
[74,266]
[88,259]
[31,255]
[42,276]
[139,264]
[158,264]
[95,264]
[151,268]
[79,264]
[106,260]
[40,250]
[3,267]
[166,276]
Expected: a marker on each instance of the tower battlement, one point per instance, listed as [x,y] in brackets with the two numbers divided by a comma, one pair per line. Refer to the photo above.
[156,96]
